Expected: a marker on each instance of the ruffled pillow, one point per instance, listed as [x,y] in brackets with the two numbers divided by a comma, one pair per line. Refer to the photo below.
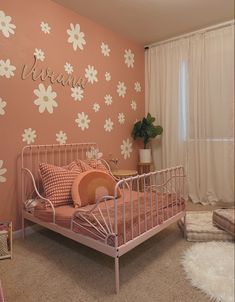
[97,164]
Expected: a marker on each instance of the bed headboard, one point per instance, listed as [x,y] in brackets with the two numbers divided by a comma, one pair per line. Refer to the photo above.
[55,154]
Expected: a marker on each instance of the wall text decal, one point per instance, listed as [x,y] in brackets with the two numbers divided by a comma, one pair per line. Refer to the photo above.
[47,73]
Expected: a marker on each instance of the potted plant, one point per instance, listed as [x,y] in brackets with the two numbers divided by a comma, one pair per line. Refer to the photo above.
[146,130]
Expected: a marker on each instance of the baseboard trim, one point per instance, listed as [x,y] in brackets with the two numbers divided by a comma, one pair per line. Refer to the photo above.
[28,231]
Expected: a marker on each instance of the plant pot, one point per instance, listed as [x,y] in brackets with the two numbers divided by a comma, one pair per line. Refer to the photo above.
[145,156]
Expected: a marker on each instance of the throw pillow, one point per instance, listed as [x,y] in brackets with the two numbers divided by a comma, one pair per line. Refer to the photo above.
[97,164]
[57,183]
[90,186]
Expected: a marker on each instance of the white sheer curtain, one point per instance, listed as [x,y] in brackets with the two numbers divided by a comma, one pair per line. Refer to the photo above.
[190,89]
[163,68]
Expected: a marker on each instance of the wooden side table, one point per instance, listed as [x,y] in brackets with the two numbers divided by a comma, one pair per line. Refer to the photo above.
[5,240]
[120,173]
[144,167]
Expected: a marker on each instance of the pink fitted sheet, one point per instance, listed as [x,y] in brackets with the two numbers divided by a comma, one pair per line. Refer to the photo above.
[63,214]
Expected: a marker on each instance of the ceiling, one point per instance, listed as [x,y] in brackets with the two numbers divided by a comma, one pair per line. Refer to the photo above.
[149,21]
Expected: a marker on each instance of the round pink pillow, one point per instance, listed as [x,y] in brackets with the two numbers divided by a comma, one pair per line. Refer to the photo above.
[90,186]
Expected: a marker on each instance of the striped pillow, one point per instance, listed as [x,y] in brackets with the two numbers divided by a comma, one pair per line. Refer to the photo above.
[57,183]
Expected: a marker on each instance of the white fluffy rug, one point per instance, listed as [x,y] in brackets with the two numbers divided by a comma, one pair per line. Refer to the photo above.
[210,267]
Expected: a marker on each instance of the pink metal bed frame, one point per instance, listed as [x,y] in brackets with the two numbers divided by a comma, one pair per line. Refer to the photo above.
[165,181]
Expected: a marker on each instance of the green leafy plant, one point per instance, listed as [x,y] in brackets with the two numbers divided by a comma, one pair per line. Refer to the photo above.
[146,130]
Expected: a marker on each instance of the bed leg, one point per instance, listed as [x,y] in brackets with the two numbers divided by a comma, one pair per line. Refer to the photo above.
[185,234]
[23,227]
[117,274]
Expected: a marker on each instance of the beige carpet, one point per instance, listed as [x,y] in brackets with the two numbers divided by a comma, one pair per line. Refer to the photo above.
[47,267]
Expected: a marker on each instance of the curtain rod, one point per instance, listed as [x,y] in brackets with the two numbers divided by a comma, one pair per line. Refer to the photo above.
[206,29]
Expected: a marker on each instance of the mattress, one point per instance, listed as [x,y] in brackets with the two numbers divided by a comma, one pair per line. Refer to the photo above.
[140,215]
[199,227]
[63,214]
[145,215]
[224,219]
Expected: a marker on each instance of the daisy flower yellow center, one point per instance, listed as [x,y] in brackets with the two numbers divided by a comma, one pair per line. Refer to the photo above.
[3,23]
[45,98]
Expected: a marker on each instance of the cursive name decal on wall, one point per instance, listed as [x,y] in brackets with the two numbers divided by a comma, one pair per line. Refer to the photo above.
[47,73]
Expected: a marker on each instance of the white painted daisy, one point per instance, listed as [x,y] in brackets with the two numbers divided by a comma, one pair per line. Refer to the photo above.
[96,107]
[121,89]
[6,69]
[76,37]
[126,148]
[83,121]
[68,68]
[61,137]
[133,105]
[107,76]
[45,27]
[2,171]
[45,99]
[77,93]
[2,105]
[108,99]
[108,125]
[39,54]
[6,27]
[121,118]
[91,74]
[137,87]
[129,58]
[105,49]
[94,153]
[29,136]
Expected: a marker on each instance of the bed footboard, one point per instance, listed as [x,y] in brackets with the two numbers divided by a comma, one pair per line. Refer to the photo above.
[119,220]
[133,215]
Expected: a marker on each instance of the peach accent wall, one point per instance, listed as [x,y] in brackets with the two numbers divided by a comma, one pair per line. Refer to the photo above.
[39,112]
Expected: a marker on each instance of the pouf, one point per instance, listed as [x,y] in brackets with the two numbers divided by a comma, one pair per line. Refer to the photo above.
[199,227]
[224,219]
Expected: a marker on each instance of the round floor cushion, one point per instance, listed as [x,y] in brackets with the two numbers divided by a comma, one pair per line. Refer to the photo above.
[89,186]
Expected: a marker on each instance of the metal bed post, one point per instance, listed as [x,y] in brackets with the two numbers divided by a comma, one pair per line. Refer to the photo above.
[22,194]
[117,274]
[22,226]
[116,260]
